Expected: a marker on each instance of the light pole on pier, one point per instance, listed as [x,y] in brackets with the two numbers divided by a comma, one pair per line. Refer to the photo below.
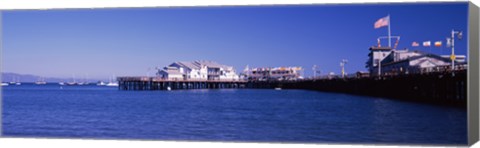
[452,56]
[342,64]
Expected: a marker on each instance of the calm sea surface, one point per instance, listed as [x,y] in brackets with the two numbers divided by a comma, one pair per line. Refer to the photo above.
[250,115]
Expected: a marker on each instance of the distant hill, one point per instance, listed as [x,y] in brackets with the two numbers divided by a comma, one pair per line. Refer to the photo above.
[8,77]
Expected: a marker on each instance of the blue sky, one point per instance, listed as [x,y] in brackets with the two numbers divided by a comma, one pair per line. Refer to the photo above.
[105,42]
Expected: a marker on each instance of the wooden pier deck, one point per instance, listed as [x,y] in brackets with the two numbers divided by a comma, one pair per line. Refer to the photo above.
[156,83]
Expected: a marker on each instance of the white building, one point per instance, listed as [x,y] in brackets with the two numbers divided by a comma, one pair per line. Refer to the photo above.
[276,73]
[198,70]
[387,61]
[171,73]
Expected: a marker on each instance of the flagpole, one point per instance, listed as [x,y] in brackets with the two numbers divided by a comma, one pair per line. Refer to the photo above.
[389,33]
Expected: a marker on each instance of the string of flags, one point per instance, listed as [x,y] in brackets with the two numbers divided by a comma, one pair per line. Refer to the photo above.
[429,43]
[385,21]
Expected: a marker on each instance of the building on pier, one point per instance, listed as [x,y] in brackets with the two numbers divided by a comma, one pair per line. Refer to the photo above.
[198,70]
[171,73]
[388,61]
[276,73]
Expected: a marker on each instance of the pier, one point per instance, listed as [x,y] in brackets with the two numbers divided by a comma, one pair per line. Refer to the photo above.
[156,83]
[443,88]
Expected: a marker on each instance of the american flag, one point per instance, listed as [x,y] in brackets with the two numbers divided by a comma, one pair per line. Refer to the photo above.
[384,21]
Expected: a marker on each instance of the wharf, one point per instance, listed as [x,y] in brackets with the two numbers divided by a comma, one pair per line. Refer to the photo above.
[433,88]
[441,88]
[156,83]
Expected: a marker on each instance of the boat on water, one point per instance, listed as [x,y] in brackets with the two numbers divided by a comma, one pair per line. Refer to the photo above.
[40,81]
[101,83]
[15,81]
[61,83]
[85,81]
[278,88]
[4,84]
[112,84]
[74,82]
[71,83]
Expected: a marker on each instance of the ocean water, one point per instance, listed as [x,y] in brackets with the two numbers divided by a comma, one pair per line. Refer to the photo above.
[240,115]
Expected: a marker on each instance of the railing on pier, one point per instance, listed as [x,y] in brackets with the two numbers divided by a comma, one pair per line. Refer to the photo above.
[423,71]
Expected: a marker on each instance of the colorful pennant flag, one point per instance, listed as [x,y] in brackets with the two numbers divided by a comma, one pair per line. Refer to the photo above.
[438,43]
[426,44]
[415,44]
